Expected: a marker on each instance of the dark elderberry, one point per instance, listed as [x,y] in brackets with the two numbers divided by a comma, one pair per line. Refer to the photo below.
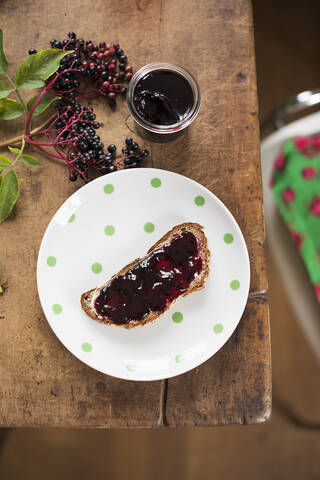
[134,146]
[111,169]
[132,165]
[32,51]
[112,148]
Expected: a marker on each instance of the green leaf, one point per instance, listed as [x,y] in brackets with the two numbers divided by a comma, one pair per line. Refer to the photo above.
[10,109]
[1,179]
[14,151]
[31,161]
[4,162]
[9,192]
[4,90]
[3,60]
[46,100]
[33,72]
[27,159]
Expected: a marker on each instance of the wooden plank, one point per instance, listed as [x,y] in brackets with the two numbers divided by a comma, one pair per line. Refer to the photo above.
[221,151]
[41,383]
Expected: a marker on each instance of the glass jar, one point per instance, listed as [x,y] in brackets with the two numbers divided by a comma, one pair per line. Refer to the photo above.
[162,130]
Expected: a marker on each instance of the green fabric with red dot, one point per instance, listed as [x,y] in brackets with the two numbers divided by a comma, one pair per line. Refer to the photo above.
[295,184]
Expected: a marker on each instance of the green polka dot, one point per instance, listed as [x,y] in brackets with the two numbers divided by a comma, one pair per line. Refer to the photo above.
[56,308]
[109,230]
[218,328]
[177,317]
[156,182]
[199,200]
[72,218]
[130,368]
[86,347]
[51,261]
[235,284]
[179,358]
[148,227]
[228,238]
[96,267]
[108,188]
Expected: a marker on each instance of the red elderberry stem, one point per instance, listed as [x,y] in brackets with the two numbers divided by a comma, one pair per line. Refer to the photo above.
[43,150]
[69,163]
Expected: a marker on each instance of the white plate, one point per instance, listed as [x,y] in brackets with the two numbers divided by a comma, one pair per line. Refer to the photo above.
[75,244]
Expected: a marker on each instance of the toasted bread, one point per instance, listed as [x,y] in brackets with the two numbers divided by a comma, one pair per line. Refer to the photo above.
[88,298]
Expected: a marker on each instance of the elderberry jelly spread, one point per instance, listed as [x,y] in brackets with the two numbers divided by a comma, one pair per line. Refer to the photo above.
[163,97]
[152,284]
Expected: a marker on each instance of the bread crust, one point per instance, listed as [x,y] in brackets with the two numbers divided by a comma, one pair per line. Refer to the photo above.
[198,283]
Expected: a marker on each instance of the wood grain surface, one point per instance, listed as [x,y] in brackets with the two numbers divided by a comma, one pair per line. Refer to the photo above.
[41,383]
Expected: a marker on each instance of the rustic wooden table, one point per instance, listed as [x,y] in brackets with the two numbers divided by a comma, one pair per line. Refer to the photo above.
[41,383]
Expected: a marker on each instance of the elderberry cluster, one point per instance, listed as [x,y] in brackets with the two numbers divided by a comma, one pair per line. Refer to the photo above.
[105,64]
[75,130]
[132,155]
[75,125]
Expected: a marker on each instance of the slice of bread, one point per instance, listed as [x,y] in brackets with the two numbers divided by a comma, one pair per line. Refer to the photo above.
[88,298]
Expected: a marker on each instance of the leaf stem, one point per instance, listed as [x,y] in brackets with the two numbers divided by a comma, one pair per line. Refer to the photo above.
[16,90]
[21,100]
[27,130]
[21,151]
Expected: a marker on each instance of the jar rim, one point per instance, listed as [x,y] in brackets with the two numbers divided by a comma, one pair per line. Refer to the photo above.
[164,129]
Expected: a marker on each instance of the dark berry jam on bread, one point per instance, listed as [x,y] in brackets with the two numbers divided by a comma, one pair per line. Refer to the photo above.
[153,283]
[176,265]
